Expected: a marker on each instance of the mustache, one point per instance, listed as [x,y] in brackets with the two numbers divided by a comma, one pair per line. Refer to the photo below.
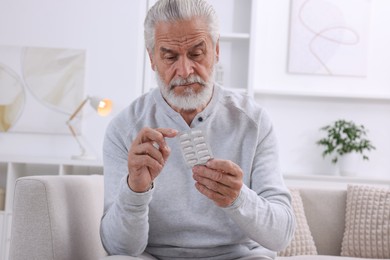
[186,81]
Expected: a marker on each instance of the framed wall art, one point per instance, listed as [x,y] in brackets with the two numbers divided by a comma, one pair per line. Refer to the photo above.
[39,88]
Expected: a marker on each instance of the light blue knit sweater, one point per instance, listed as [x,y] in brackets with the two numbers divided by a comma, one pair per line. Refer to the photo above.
[175,221]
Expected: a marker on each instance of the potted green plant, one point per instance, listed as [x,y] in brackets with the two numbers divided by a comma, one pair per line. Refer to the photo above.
[345,137]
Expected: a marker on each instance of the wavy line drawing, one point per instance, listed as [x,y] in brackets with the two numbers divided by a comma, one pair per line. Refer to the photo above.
[321,35]
[322,40]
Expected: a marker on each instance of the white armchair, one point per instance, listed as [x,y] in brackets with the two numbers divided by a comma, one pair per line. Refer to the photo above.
[57,217]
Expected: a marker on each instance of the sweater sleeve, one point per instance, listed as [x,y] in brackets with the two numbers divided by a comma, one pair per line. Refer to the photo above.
[269,223]
[263,210]
[124,225]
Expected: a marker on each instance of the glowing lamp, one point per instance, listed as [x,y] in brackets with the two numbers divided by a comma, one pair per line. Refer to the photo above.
[102,106]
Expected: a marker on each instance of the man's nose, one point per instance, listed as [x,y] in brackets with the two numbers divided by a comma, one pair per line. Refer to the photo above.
[184,67]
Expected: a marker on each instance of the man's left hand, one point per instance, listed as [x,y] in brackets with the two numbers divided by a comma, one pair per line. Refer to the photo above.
[219,180]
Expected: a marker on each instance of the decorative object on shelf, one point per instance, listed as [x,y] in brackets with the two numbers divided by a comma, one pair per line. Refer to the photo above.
[102,106]
[219,74]
[344,142]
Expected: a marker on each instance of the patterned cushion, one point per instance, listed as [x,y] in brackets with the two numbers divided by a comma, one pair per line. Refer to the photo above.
[367,222]
[302,242]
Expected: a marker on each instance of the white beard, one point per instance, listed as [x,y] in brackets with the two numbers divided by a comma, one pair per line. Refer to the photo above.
[189,100]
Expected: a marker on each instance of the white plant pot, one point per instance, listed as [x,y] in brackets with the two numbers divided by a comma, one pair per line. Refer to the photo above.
[349,164]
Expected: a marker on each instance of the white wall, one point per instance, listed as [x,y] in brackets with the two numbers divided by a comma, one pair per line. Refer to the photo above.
[109,32]
[298,114]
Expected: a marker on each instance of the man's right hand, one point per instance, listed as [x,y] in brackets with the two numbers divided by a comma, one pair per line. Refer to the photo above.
[147,156]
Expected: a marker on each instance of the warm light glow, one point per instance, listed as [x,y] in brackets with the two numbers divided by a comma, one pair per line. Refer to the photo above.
[104,107]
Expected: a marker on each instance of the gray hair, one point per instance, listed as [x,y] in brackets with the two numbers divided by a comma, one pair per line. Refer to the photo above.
[176,10]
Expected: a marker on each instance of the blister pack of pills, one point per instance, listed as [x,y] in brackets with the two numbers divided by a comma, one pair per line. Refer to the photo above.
[194,147]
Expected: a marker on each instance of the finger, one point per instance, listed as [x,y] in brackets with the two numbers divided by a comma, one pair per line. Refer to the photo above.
[224,166]
[217,176]
[218,198]
[139,161]
[167,132]
[215,186]
[158,135]
[149,149]
[148,134]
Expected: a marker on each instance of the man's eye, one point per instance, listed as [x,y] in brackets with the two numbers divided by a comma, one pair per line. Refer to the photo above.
[170,57]
[196,54]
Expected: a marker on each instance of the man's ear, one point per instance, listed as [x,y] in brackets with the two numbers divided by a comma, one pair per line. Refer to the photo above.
[151,58]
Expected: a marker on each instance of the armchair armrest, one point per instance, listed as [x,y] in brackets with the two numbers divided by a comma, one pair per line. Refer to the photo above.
[57,217]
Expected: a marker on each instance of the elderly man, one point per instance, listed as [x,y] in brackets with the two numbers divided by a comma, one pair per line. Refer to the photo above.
[234,206]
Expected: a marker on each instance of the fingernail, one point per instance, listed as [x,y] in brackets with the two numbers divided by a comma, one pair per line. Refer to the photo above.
[173,131]
[155,145]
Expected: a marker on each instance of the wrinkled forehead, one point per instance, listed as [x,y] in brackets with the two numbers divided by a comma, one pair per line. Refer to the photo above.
[182,33]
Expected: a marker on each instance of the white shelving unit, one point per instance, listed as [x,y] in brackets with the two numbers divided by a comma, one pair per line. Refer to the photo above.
[236,19]
[12,168]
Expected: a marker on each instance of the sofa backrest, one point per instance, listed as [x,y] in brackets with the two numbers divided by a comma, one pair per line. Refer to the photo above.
[58,217]
[325,213]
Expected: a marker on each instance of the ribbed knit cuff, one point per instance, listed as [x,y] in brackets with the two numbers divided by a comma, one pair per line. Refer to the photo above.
[130,198]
